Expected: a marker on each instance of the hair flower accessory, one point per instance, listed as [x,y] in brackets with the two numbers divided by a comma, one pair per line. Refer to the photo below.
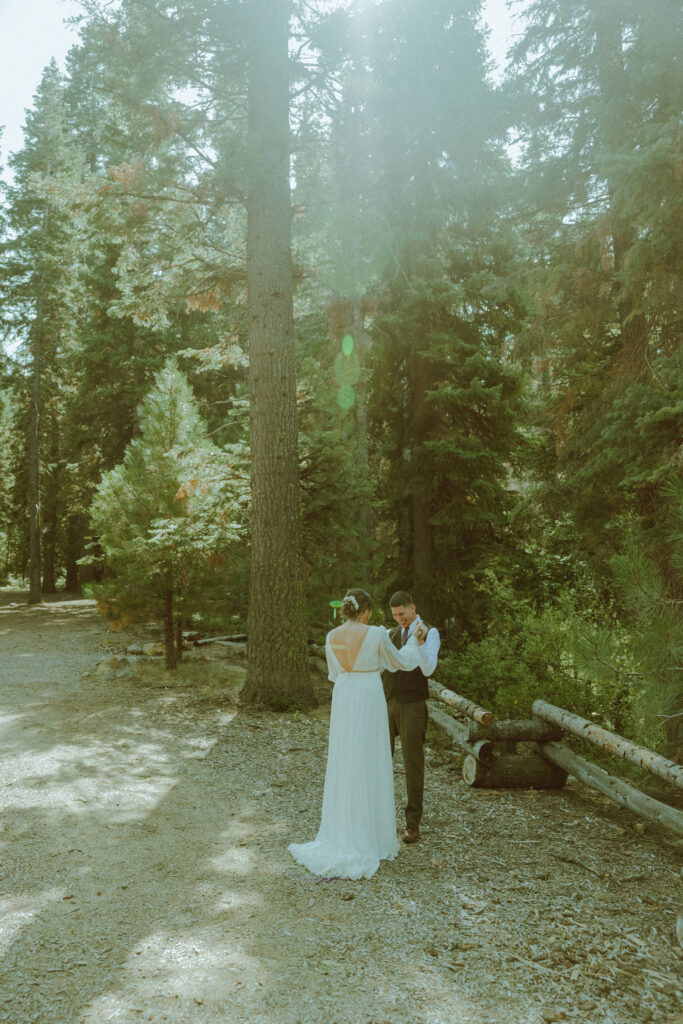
[351,600]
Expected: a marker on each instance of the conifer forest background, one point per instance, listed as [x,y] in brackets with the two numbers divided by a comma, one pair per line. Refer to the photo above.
[296,296]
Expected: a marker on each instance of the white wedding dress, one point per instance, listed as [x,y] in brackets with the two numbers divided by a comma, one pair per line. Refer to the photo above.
[358,824]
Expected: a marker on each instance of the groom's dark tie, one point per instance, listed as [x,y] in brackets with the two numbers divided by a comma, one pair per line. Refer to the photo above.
[404,636]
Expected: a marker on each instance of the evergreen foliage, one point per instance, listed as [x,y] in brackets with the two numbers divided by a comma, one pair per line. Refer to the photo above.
[488,363]
[168,516]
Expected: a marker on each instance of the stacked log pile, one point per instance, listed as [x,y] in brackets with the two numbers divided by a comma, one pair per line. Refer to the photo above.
[492,759]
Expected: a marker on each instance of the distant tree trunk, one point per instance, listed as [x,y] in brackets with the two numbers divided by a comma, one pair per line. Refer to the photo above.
[278,672]
[179,639]
[361,342]
[169,630]
[72,554]
[50,511]
[88,573]
[423,540]
[614,84]
[8,549]
[35,594]
[350,313]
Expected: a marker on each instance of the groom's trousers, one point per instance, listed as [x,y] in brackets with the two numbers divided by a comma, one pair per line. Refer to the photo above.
[409,723]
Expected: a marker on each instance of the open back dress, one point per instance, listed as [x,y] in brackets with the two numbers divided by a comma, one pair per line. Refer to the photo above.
[358,822]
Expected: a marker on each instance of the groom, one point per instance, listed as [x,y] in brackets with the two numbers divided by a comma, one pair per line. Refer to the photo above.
[406,694]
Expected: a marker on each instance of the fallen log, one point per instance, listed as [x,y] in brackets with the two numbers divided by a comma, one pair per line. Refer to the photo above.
[514,731]
[616,789]
[611,742]
[513,771]
[233,637]
[462,704]
[457,732]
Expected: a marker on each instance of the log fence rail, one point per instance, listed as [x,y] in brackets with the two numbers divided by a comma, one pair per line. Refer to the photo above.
[492,760]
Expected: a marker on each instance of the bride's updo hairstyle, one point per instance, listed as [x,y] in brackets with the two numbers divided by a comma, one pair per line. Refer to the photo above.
[355,602]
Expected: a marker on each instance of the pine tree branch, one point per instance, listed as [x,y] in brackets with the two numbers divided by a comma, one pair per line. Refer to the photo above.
[653,597]
[617,671]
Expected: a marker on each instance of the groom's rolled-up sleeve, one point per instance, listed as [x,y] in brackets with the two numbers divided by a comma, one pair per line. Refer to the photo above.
[431,647]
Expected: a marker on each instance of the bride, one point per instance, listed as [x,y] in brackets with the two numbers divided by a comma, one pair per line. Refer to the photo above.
[358,824]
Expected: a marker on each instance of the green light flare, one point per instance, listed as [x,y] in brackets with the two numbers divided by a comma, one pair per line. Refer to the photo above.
[346,396]
[346,369]
[347,344]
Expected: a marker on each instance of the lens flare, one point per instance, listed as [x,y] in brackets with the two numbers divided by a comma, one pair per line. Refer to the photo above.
[346,396]
[347,344]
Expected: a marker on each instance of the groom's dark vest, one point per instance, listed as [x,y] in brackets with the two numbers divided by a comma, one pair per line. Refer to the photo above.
[406,687]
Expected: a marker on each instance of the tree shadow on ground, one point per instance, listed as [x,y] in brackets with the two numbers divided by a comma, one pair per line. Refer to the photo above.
[144,863]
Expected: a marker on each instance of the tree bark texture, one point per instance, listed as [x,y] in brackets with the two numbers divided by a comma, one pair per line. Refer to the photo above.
[513,730]
[461,704]
[613,82]
[618,790]
[456,731]
[35,593]
[422,503]
[50,509]
[278,672]
[513,771]
[609,741]
[179,639]
[349,319]
[169,631]
[72,554]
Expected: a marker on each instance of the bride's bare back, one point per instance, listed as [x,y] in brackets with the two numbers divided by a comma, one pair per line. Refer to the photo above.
[346,642]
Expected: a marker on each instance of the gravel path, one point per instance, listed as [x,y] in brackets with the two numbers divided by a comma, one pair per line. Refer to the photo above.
[144,872]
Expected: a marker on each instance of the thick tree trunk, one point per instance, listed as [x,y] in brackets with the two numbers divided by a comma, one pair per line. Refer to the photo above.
[169,631]
[278,672]
[609,741]
[35,594]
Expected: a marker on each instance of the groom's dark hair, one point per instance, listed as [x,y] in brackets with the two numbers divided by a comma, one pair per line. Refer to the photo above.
[401,597]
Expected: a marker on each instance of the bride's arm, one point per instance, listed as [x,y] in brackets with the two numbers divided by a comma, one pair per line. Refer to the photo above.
[332,671]
[413,655]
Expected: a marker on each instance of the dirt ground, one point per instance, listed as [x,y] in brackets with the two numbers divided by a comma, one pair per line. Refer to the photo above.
[145,876]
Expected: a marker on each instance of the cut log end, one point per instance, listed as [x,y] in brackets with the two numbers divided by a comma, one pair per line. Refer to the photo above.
[513,771]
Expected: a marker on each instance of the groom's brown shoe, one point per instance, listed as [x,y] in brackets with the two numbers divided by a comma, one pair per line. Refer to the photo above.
[411,834]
